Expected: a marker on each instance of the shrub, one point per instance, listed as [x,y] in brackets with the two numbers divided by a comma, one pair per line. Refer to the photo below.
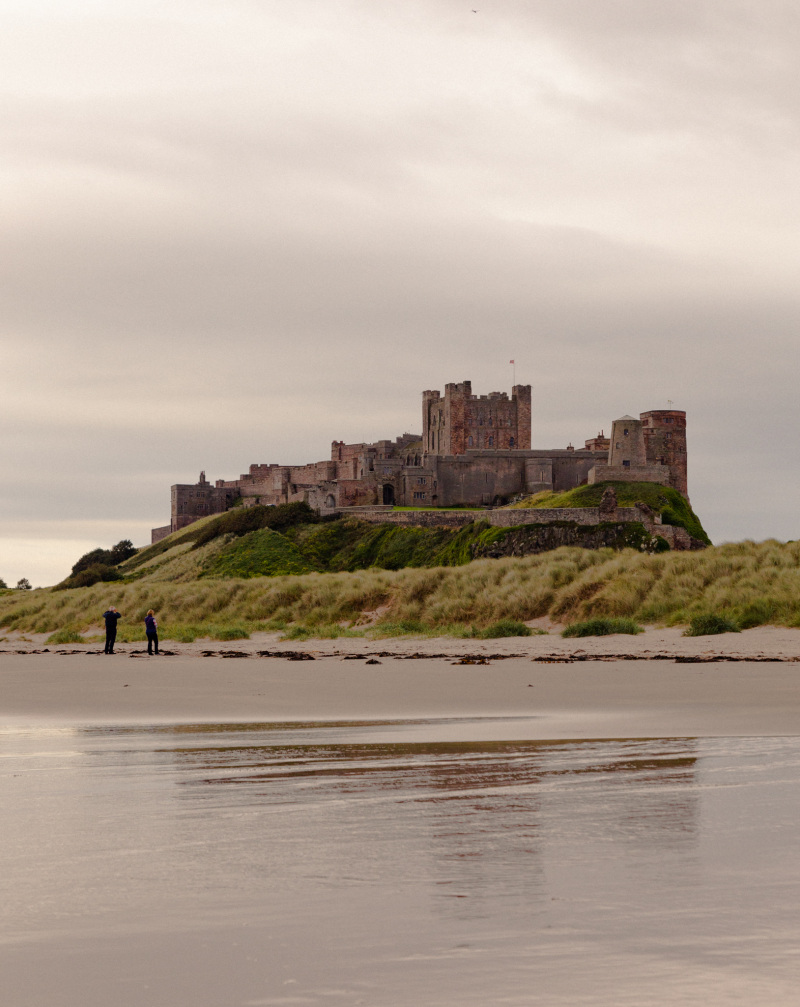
[91,575]
[399,627]
[710,625]
[123,550]
[297,633]
[505,627]
[232,633]
[66,636]
[182,634]
[105,557]
[603,627]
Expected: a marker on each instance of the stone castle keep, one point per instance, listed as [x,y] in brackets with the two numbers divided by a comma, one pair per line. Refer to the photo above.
[475,450]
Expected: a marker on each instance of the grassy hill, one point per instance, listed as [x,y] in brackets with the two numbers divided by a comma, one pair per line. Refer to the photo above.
[669,503]
[292,539]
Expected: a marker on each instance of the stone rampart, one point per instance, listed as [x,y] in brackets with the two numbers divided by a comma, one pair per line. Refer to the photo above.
[678,538]
[500,518]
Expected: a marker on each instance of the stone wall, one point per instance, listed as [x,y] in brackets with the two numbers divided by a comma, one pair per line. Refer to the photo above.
[502,517]
[587,517]
[630,474]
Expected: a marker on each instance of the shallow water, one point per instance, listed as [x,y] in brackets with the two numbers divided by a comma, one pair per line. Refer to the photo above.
[429,862]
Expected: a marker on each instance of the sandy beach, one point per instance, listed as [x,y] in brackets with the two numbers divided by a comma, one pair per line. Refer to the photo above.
[654,685]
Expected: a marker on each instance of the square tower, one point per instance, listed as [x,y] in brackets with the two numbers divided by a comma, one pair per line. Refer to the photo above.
[460,421]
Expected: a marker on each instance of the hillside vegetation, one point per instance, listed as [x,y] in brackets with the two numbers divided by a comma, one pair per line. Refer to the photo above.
[292,539]
[749,583]
[673,507]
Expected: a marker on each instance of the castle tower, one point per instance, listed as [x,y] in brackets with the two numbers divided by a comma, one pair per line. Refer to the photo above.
[521,395]
[627,444]
[432,422]
[461,422]
[664,433]
[650,449]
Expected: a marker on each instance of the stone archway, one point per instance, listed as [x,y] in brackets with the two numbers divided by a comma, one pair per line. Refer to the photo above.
[388,495]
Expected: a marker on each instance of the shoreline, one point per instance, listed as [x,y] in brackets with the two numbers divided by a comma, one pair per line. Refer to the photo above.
[762,643]
[659,684]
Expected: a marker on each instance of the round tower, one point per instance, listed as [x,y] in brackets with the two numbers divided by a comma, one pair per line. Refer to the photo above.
[665,443]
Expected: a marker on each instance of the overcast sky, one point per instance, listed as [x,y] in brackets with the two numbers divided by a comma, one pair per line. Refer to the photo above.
[235,231]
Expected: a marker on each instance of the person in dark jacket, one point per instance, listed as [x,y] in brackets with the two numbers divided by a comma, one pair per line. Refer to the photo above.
[111,617]
[151,628]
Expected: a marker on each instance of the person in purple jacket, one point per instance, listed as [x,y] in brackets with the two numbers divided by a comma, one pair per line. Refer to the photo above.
[151,628]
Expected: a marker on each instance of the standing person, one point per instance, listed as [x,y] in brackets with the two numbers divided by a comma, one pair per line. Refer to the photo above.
[111,617]
[151,628]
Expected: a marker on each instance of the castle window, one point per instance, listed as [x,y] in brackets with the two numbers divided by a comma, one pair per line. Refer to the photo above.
[511,442]
[626,464]
[625,432]
[469,441]
[491,442]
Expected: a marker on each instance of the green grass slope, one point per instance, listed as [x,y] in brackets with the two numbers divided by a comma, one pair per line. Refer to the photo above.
[259,553]
[673,507]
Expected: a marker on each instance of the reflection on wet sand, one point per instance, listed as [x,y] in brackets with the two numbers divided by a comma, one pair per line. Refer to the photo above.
[477,811]
[437,862]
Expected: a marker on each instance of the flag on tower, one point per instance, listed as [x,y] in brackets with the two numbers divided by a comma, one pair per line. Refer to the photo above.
[511,361]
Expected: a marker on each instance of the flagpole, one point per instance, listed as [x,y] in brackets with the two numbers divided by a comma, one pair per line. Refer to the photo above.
[513,372]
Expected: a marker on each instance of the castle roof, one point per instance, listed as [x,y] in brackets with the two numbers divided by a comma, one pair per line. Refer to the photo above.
[626,419]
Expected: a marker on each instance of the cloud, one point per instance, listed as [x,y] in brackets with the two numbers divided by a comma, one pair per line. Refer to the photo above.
[234,232]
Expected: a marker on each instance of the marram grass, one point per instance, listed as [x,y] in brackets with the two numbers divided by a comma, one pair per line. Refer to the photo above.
[603,627]
[749,583]
[710,625]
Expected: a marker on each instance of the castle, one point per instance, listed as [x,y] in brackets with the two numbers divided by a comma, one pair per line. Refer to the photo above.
[475,450]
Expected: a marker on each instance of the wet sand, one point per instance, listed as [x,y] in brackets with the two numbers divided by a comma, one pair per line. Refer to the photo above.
[655,685]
